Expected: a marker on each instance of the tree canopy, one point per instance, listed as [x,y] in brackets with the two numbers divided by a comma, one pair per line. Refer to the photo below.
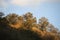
[43,28]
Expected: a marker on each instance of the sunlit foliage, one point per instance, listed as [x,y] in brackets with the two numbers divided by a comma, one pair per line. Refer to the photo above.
[43,23]
[14,25]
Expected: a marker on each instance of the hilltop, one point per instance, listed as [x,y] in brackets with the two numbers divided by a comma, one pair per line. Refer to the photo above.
[25,27]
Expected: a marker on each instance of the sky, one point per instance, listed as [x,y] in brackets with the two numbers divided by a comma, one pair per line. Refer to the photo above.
[39,8]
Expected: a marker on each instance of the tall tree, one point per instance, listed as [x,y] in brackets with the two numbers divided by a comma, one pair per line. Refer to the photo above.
[43,22]
[1,19]
[29,20]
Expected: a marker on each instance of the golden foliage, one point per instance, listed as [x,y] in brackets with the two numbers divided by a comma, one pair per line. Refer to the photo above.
[28,22]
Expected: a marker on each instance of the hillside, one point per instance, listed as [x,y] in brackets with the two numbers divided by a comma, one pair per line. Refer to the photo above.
[15,27]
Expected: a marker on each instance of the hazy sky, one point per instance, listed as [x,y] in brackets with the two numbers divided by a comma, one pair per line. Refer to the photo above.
[40,8]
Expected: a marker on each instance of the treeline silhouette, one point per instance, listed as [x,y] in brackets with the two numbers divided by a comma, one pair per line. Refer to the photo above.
[26,27]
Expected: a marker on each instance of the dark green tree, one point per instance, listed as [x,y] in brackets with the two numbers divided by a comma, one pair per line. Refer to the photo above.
[1,14]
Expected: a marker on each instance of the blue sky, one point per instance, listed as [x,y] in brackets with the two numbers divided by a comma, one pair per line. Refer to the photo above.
[40,8]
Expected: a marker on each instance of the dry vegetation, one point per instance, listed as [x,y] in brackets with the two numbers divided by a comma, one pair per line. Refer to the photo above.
[15,27]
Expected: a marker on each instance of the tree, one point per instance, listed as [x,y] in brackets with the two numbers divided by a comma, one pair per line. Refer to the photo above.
[43,22]
[52,29]
[28,15]
[1,18]
[12,18]
[29,20]
[1,14]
